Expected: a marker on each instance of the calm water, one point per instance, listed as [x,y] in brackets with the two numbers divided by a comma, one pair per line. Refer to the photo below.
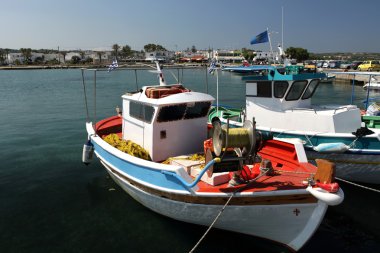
[51,202]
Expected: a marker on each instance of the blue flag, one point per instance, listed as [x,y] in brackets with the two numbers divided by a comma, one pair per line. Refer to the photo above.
[261,38]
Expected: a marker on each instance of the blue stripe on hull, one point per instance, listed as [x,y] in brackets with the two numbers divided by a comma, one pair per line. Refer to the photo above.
[138,172]
[365,145]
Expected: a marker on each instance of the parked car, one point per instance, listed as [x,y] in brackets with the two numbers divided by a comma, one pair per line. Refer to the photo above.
[325,64]
[369,66]
[334,64]
[355,64]
[346,65]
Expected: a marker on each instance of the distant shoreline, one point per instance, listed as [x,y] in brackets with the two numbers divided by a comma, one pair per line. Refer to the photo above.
[122,66]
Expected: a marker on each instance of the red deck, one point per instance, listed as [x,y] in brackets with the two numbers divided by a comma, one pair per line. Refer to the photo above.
[289,174]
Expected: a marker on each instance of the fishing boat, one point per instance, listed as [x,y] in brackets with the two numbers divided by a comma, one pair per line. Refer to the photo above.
[373,84]
[281,105]
[156,148]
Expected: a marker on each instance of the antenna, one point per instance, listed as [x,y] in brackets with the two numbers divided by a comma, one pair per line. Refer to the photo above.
[282,26]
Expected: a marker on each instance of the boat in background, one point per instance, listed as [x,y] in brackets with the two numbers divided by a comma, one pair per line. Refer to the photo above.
[281,105]
[374,84]
[157,150]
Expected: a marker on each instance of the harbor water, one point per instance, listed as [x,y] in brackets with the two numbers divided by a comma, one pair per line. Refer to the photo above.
[51,202]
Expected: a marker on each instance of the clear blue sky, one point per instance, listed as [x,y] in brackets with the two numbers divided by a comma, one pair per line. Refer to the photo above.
[318,26]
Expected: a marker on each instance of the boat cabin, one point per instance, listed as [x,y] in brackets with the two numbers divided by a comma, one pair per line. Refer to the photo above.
[274,98]
[166,120]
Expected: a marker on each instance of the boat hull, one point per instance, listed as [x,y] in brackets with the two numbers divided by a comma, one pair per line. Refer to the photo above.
[353,167]
[288,217]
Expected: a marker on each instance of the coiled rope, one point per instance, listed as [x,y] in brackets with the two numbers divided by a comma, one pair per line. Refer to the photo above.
[265,171]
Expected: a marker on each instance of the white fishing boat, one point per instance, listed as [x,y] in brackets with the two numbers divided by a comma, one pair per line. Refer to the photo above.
[157,150]
[281,105]
[373,84]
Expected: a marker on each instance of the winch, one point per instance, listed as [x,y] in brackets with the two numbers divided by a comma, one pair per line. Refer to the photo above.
[235,146]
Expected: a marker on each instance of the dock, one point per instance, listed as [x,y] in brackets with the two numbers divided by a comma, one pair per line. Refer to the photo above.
[359,77]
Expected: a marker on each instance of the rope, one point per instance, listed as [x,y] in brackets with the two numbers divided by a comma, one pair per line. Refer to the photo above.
[85,97]
[358,185]
[225,205]
[294,172]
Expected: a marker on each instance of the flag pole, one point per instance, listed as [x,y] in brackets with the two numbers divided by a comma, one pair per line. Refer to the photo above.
[270,44]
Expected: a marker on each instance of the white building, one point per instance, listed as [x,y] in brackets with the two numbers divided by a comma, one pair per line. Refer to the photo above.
[163,56]
[14,57]
[228,56]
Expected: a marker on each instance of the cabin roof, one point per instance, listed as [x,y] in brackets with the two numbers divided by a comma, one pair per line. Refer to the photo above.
[185,97]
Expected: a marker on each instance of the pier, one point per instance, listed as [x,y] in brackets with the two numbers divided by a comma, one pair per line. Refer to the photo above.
[359,78]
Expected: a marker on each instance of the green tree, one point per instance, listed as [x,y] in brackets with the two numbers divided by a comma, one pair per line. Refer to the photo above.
[248,54]
[81,53]
[126,51]
[75,59]
[153,47]
[64,53]
[2,56]
[300,54]
[27,54]
[193,49]
[99,53]
[115,48]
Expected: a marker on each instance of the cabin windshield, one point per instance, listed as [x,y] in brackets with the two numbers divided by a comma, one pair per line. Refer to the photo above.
[296,90]
[310,89]
[280,88]
[183,111]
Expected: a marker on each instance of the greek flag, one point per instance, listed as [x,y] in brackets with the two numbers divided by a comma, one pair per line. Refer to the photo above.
[212,67]
[261,38]
[113,66]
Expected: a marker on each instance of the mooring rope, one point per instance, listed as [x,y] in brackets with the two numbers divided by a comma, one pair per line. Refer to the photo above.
[225,205]
[358,185]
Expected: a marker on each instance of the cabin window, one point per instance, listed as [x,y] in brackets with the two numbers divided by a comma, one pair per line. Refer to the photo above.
[280,88]
[259,89]
[141,111]
[171,113]
[296,90]
[197,110]
[310,89]
[183,111]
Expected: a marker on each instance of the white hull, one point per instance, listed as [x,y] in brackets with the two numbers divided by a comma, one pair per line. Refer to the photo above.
[278,222]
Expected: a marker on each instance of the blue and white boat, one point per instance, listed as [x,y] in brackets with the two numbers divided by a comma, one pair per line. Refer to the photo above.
[153,149]
[281,105]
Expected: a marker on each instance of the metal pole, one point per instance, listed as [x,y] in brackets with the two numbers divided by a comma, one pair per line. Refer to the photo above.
[353,91]
[368,88]
[206,81]
[85,97]
[137,87]
[95,102]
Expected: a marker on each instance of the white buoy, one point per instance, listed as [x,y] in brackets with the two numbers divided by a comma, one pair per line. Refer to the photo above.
[331,199]
[88,151]
[335,147]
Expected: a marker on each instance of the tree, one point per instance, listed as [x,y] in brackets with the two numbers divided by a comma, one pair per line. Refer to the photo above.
[115,48]
[27,54]
[64,53]
[300,54]
[153,47]
[2,56]
[75,59]
[81,53]
[193,49]
[126,51]
[99,53]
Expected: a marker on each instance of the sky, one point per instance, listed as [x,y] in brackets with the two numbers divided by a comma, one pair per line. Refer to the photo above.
[320,26]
